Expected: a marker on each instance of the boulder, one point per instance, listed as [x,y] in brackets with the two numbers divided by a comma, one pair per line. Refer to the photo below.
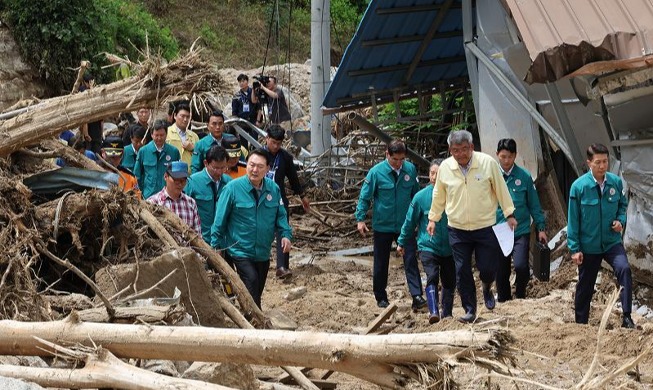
[238,376]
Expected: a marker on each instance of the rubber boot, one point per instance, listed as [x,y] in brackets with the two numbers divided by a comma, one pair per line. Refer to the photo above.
[432,301]
[447,302]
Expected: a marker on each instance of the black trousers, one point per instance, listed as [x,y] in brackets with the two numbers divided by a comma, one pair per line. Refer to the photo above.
[254,275]
[485,247]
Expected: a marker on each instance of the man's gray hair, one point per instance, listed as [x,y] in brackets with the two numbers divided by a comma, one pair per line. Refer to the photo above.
[460,136]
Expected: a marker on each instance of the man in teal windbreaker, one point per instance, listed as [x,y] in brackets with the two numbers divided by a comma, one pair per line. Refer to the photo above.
[527,203]
[391,184]
[215,136]
[249,211]
[206,186]
[434,251]
[597,217]
[153,159]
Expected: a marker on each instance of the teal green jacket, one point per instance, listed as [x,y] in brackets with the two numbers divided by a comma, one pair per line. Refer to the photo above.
[150,167]
[527,203]
[417,218]
[591,213]
[200,186]
[128,158]
[245,227]
[199,152]
[391,197]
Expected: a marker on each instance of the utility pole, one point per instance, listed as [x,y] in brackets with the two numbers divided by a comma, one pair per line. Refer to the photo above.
[320,74]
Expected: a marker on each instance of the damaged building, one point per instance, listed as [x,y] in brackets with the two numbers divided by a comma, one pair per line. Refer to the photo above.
[554,75]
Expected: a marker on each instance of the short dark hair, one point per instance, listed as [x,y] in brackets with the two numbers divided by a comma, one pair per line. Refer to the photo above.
[216,153]
[160,124]
[276,132]
[137,131]
[273,78]
[396,146]
[217,113]
[508,144]
[260,152]
[596,149]
[180,107]
[172,106]
[242,77]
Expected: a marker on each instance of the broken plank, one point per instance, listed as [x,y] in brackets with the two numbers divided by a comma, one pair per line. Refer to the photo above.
[381,318]
[363,250]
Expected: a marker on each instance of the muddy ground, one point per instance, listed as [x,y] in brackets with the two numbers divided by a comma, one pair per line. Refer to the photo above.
[551,349]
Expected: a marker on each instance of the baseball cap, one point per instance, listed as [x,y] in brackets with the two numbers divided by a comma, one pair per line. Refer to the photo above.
[177,169]
[232,145]
[112,145]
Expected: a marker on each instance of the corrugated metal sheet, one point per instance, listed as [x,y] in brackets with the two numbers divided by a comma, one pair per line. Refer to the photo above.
[563,35]
[393,35]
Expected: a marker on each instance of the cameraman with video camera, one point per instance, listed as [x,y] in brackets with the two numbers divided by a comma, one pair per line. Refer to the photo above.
[275,99]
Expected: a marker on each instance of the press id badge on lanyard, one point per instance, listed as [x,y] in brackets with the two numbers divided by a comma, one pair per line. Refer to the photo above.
[273,169]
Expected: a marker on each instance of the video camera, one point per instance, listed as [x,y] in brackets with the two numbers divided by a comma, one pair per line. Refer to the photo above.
[260,80]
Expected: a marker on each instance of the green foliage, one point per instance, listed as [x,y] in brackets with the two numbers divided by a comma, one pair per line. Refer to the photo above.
[55,35]
[345,17]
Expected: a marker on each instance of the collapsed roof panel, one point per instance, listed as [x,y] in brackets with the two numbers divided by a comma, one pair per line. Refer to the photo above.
[562,36]
[400,47]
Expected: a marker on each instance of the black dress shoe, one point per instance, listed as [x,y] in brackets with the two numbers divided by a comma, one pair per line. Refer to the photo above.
[418,302]
[468,318]
[383,303]
[628,323]
[283,273]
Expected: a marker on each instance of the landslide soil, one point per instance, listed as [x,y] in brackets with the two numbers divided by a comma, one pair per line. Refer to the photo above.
[550,348]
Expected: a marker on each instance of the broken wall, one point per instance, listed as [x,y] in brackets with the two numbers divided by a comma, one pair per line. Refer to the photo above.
[634,133]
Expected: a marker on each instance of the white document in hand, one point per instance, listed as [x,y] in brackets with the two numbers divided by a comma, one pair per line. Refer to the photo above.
[505,236]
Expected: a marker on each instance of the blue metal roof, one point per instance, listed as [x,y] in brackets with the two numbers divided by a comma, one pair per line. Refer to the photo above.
[400,47]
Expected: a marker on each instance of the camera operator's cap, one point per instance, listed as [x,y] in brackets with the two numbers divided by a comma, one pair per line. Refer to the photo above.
[112,146]
[178,170]
[232,145]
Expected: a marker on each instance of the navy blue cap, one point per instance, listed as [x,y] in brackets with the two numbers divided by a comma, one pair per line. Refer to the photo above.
[178,170]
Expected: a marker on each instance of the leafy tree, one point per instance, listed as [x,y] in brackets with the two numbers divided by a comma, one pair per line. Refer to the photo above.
[55,35]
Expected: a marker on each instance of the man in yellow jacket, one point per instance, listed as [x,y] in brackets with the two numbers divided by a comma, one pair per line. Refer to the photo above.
[469,188]
[180,136]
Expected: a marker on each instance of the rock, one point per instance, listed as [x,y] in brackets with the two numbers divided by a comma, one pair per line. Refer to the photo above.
[295,293]
[643,310]
[164,367]
[27,361]
[16,384]
[281,321]
[239,376]
[197,294]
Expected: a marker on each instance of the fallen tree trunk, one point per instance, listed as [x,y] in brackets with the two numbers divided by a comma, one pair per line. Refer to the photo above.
[102,370]
[247,304]
[368,357]
[154,82]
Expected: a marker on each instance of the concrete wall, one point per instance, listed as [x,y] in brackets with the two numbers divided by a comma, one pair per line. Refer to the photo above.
[17,79]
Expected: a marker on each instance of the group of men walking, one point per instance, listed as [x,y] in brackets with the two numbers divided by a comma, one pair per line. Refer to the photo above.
[451,219]
[239,207]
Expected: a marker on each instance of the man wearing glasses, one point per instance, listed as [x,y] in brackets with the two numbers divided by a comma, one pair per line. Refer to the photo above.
[173,198]
[206,186]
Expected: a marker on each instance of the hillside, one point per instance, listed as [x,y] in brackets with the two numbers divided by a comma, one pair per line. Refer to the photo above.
[236,33]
